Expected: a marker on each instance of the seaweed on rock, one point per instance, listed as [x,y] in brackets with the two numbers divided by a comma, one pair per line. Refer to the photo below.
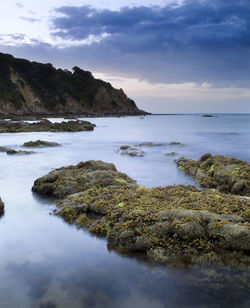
[227,174]
[165,223]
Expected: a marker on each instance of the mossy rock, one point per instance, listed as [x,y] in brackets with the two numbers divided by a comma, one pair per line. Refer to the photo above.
[227,174]
[45,126]
[181,221]
[85,175]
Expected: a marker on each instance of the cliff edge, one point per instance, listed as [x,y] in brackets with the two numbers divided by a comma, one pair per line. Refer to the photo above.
[35,88]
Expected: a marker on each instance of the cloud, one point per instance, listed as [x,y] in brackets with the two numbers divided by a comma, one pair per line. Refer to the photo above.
[19,5]
[30,19]
[196,41]
[201,41]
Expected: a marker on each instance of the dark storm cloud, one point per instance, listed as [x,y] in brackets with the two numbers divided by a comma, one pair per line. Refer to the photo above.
[209,23]
[197,41]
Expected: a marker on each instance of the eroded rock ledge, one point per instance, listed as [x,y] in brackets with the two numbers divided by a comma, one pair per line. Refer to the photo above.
[168,224]
[227,174]
[45,126]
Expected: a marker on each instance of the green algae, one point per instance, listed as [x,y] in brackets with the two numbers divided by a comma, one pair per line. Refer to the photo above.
[227,174]
[181,168]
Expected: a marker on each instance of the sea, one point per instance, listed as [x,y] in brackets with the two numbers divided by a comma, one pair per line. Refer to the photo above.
[47,263]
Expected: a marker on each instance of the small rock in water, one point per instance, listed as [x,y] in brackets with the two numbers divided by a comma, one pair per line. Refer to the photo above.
[40,143]
[148,144]
[131,151]
[11,151]
[1,207]
[20,152]
[171,154]
[176,143]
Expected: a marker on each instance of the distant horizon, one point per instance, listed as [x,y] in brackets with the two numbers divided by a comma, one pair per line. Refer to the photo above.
[181,56]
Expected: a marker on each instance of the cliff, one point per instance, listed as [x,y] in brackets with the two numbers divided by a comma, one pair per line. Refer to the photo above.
[35,88]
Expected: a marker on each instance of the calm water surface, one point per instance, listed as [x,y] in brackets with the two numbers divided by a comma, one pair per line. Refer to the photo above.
[45,262]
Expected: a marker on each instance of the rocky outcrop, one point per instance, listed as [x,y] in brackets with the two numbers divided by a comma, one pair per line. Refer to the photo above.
[40,143]
[35,88]
[227,174]
[72,179]
[1,207]
[165,223]
[45,126]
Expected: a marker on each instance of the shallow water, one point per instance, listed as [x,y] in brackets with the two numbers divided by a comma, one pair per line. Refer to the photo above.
[47,263]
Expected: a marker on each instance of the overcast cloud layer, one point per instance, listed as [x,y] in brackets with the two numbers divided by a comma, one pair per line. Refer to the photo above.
[198,41]
[204,41]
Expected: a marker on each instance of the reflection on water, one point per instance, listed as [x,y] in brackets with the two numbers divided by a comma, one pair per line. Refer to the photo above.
[48,263]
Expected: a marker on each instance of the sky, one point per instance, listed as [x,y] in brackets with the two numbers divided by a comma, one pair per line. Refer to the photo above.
[172,56]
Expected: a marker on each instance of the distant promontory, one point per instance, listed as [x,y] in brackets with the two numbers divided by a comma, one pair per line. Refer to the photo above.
[31,88]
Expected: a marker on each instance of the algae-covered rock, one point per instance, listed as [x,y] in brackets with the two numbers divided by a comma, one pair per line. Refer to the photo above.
[1,207]
[227,174]
[44,126]
[40,143]
[164,222]
[85,175]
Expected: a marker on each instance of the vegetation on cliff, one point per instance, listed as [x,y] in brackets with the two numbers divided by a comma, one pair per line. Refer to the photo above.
[56,89]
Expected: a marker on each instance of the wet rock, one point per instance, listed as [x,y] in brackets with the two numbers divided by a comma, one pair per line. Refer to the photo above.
[1,207]
[227,174]
[19,152]
[11,151]
[164,223]
[176,143]
[131,151]
[44,126]
[85,175]
[171,154]
[40,143]
[149,144]
[4,149]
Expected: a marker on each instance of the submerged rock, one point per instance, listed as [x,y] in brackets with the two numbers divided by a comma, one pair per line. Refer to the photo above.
[1,207]
[40,143]
[165,223]
[171,154]
[176,143]
[45,125]
[85,175]
[19,152]
[149,144]
[11,151]
[4,149]
[227,174]
[131,151]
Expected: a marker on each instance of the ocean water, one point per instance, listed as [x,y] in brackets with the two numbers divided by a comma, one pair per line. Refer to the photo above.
[45,262]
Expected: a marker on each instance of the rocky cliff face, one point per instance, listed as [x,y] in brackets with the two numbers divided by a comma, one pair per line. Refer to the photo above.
[35,88]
